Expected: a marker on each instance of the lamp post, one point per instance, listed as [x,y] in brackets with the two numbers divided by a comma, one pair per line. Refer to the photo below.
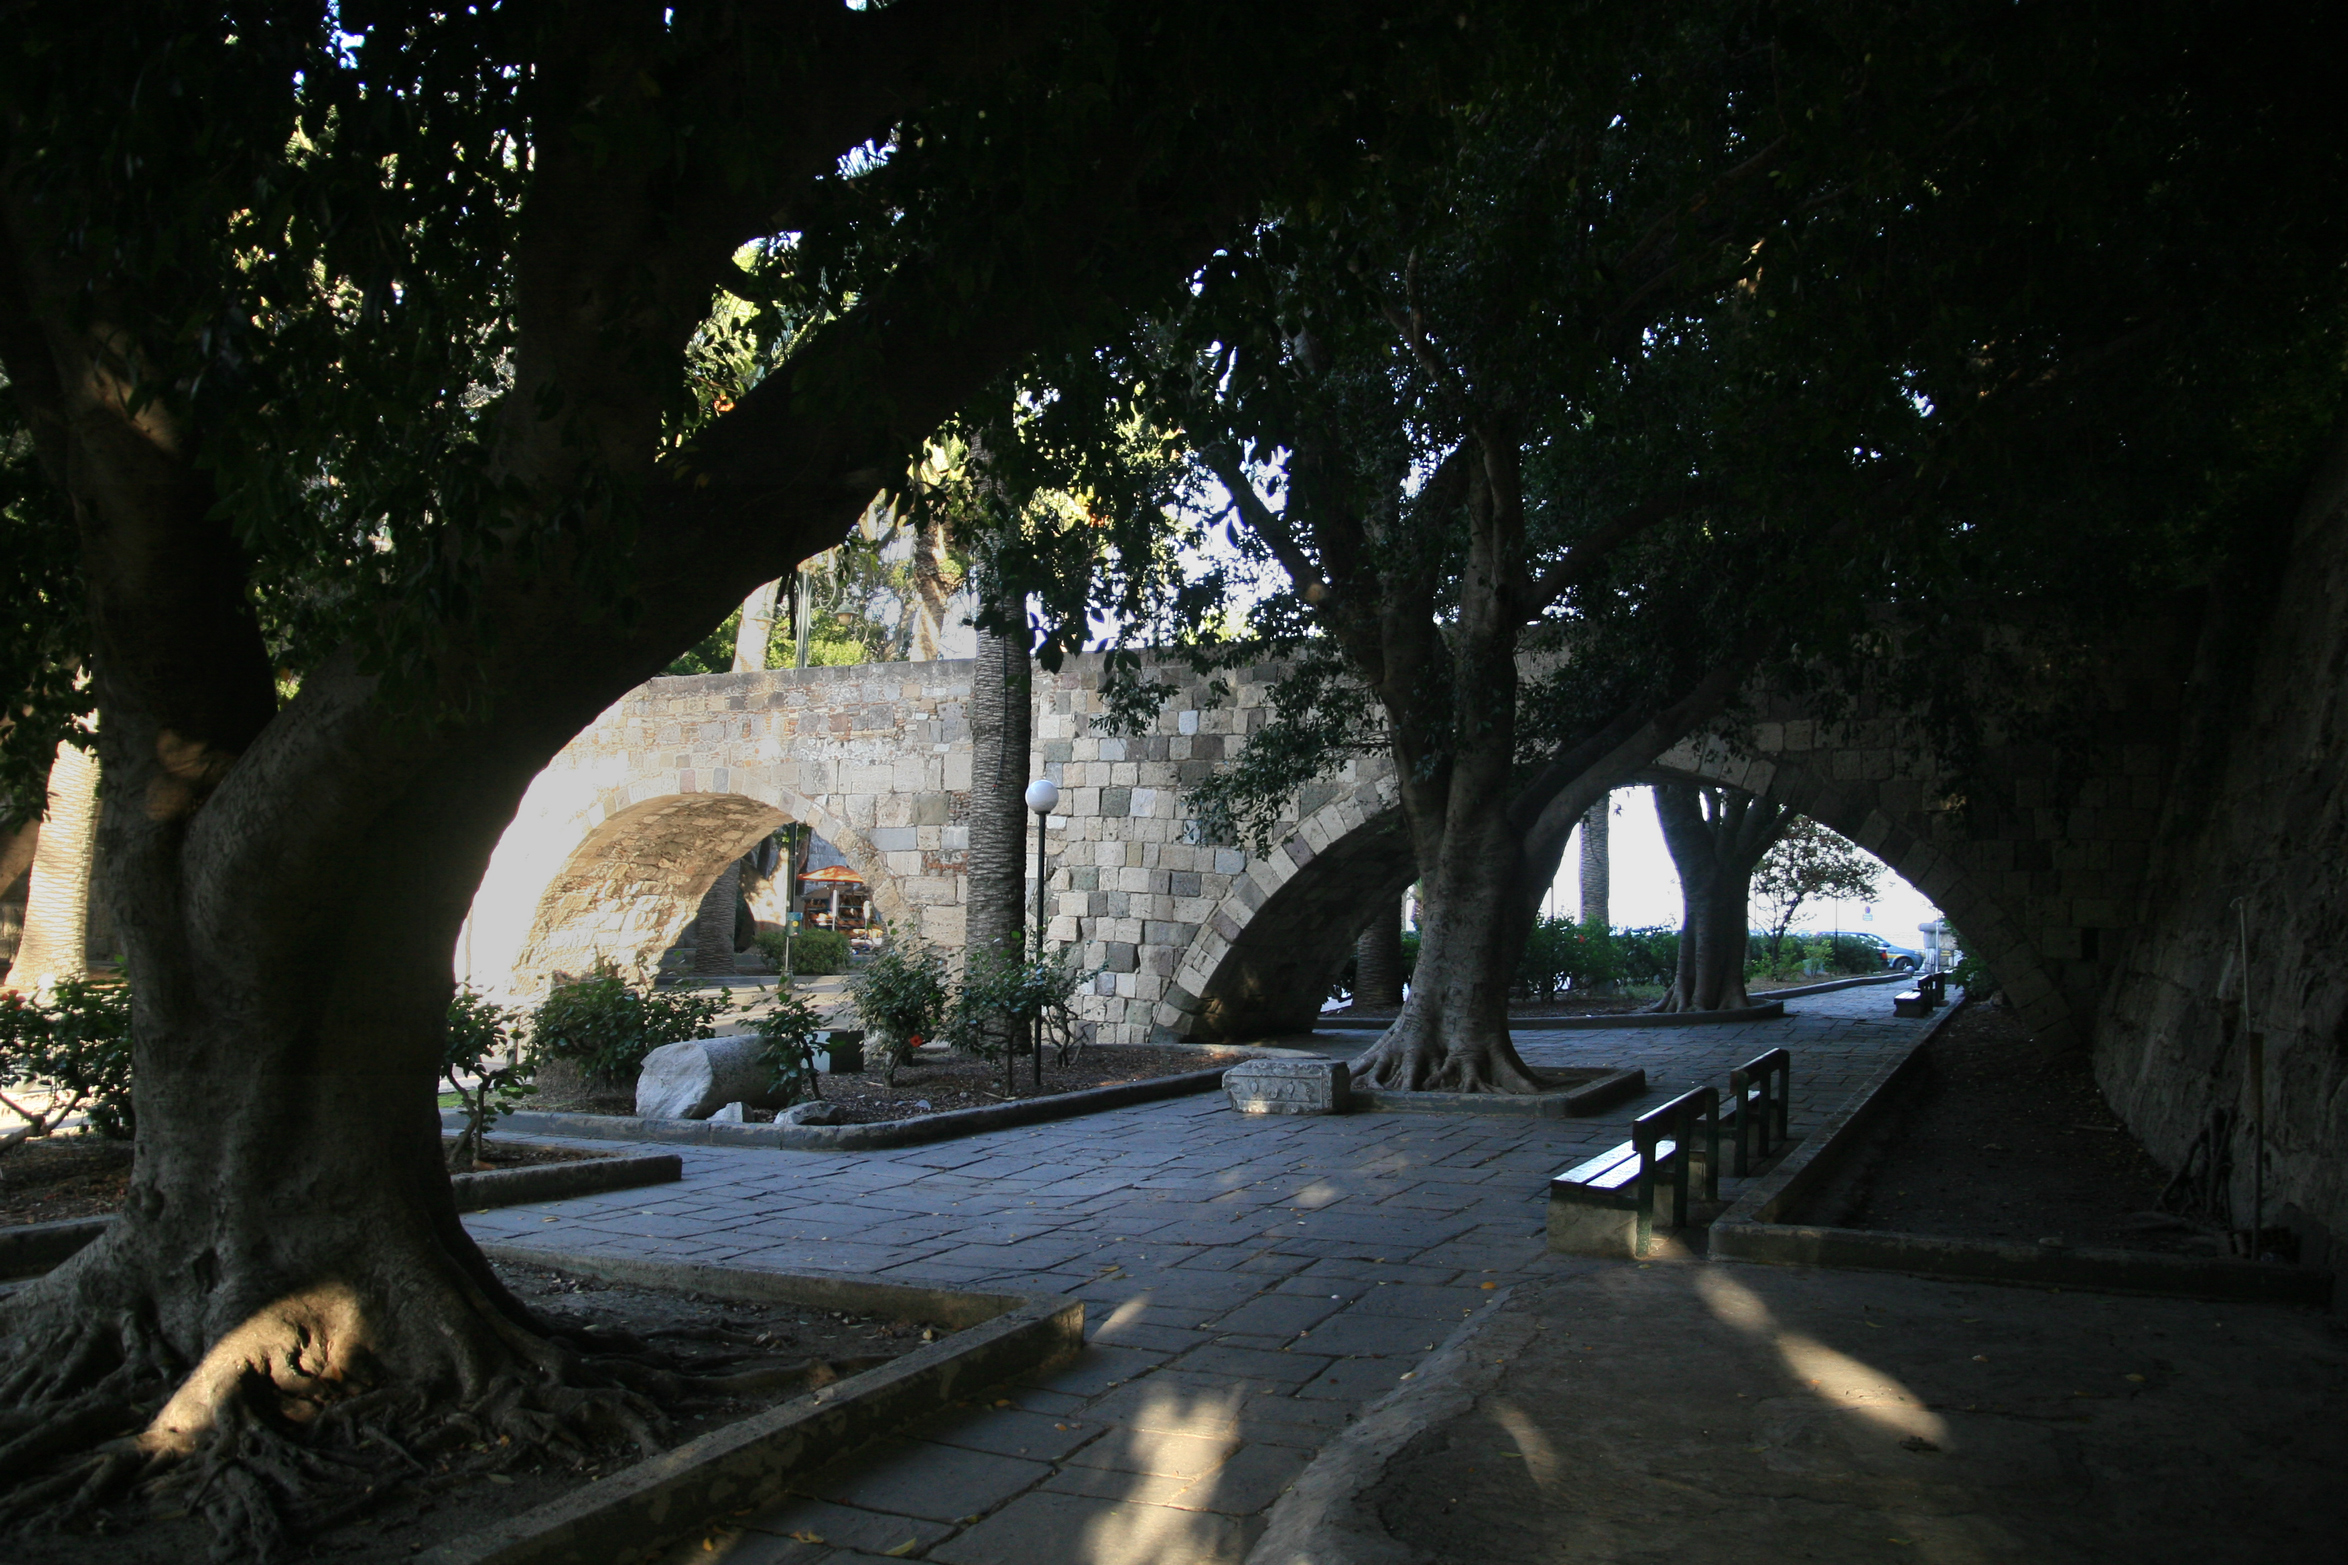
[1043,796]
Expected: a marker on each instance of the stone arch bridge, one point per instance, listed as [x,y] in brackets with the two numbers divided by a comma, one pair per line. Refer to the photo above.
[619,838]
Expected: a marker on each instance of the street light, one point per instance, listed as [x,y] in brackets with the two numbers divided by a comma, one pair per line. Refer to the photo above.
[1043,796]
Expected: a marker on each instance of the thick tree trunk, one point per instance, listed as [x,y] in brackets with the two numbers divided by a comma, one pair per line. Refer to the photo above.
[1597,862]
[1716,837]
[1377,960]
[758,625]
[54,944]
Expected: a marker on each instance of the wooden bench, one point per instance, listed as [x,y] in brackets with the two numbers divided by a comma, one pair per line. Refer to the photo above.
[1606,1205]
[1760,1103]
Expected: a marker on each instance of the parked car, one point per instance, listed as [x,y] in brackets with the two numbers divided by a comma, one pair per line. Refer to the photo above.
[1897,959]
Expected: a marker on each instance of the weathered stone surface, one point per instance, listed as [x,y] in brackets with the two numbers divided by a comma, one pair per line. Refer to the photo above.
[694,1079]
[734,1113]
[812,1112]
[1288,1086]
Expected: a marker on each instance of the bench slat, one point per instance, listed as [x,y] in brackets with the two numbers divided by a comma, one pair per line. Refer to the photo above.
[1595,1169]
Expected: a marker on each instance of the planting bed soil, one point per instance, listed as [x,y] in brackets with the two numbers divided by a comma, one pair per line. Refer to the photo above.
[496,1154]
[2002,1138]
[471,1487]
[933,1084]
[58,1177]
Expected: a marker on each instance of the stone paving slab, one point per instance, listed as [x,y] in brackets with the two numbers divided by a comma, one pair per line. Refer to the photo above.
[1204,1242]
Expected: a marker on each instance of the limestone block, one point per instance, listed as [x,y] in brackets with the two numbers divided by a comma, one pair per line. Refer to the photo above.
[693,1079]
[1288,1086]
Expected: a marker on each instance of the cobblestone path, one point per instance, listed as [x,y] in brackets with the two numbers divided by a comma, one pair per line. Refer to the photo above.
[1249,1285]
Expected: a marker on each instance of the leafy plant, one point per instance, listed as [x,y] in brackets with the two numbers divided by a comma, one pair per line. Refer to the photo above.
[902,995]
[1647,955]
[1563,954]
[76,1043]
[814,952]
[1002,1000]
[604,1026]
[787,1037]
[480,1044]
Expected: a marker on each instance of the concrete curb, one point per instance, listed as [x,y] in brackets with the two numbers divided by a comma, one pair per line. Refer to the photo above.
[30,1248]
[865,1138]
[35,1247]
[1768,1011]
[1750,1230]
[1320,1520]
[1591,1097]
[672,1496]
[1832,984]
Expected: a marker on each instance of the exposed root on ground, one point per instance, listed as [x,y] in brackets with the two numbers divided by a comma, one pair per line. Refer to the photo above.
[307,1414]
[1412,1056]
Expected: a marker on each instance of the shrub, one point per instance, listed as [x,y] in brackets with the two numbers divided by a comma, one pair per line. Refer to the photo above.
[480,1040]
[1649,955]
[1561,954]
[604,1026]
[1001,999]
[77,1043]
[814,952]
[787,1037]
[901,995]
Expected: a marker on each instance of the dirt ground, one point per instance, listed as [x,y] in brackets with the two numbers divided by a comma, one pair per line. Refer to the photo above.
[2004,1138]
[58,1177]
[1567,1004]
[475,1486]
[1711,1414]
[933,1084]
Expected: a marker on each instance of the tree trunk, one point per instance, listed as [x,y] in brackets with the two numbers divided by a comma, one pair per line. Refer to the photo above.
[1716,837]
[1597,863]
[1377,960]
[713,925]
[996,903]
[1452,1034]
[758,625]
[54,944]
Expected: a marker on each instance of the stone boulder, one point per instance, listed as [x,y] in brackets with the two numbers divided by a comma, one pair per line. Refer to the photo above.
[1288,1087]
[696,1078]
[812,1112]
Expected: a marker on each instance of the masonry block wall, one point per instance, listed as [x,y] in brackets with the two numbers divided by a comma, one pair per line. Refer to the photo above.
[1191,939]
[2252,849]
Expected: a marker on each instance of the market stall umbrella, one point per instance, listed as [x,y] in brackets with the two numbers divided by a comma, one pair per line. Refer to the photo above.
[835,876]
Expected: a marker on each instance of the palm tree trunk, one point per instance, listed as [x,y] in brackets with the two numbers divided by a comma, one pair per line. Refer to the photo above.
[758,624]
[55,944]
[1377,960]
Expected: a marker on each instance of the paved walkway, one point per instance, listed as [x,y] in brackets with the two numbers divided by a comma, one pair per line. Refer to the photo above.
[1250,1283]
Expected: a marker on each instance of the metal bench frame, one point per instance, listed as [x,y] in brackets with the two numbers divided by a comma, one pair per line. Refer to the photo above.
[1760,1097]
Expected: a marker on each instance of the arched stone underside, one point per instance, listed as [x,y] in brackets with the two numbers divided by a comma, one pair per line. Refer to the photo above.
[1265,958]
[1927,853]
[635,881]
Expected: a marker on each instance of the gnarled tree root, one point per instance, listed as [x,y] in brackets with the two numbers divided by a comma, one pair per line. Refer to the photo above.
[294,1422]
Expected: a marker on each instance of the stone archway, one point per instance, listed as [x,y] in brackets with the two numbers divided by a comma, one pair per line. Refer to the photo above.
[1906,841]
[626,892]
[1264,959]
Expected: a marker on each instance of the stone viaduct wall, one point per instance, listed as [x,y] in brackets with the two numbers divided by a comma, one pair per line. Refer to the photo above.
[622,834]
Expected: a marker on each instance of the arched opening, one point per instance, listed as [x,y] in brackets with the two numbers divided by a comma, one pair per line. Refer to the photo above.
[1268,958]
[626,893]
[1905,842]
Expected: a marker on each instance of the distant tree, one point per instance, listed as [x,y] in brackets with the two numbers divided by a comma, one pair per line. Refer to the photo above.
[1716,836]
[1810,863]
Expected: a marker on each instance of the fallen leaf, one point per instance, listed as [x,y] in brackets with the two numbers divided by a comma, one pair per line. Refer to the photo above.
[902,1549]
[500,1478]
[1487,1286]
[807,1537]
